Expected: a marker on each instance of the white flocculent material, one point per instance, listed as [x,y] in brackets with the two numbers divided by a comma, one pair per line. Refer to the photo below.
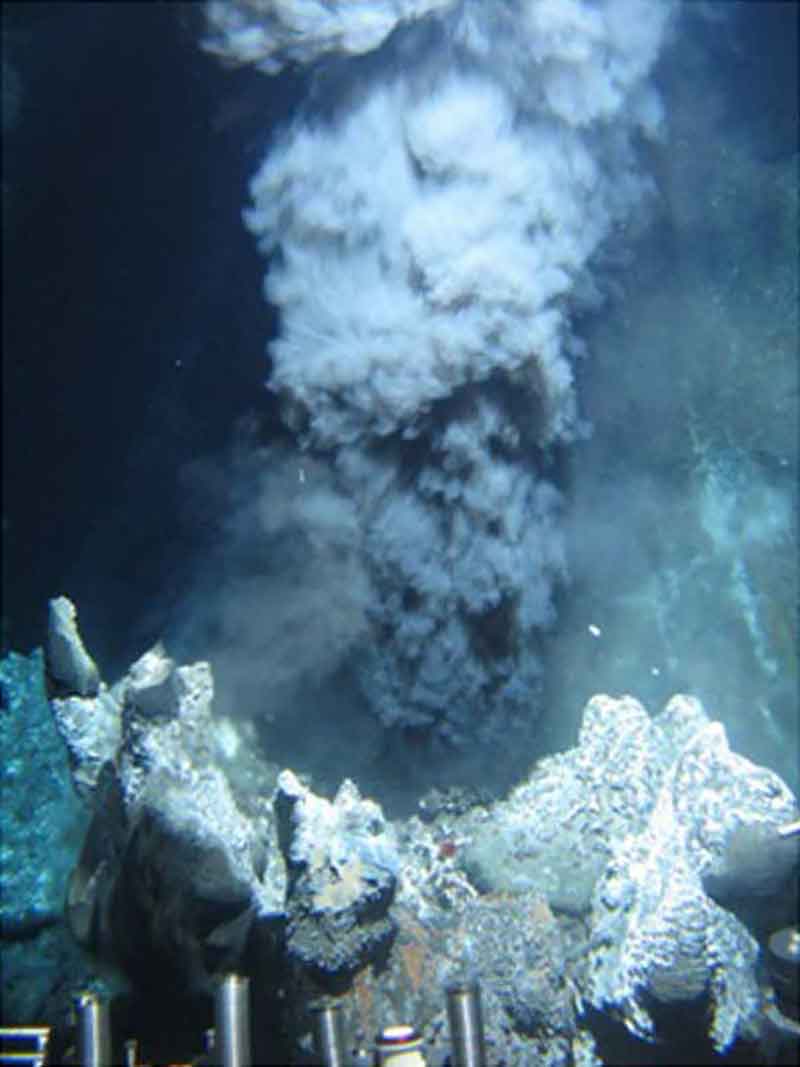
[274,33]
[429,237]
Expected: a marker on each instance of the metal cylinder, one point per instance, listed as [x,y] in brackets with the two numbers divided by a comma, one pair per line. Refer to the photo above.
[94,1030]
[399,1046]
[329,1043]
[232,1017]
[466,1025]
[783,963]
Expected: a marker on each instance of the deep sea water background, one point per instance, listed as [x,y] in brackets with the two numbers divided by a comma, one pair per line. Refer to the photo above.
[136,418]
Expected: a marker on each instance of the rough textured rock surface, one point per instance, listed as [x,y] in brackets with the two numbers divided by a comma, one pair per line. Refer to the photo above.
[342,862]
[604,878]
[655,929]
[68,661]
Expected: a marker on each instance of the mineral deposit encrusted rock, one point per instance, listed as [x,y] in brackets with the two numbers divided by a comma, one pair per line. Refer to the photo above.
[603,878]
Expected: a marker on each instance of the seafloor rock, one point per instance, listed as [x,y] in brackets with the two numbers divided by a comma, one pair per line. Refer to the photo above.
[342,863]
[602,879]
[656,931]
[68,662]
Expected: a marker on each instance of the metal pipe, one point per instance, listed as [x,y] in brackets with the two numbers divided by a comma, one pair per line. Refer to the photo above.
[232,1013]
[94,1030]
[466,1025]
[783,963]
[329,1043]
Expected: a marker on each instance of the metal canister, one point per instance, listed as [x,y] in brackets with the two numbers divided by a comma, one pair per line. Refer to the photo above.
[399,1046]
[466,1025]
[94,1030]
[232,1016]
[329,1043]
[783,963]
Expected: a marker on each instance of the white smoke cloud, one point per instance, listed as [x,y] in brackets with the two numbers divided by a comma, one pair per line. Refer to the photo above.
[429,237]
[283,600]
[407,256]
[272,33]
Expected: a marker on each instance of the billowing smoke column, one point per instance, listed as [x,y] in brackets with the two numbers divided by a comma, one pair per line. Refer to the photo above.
[430,219]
